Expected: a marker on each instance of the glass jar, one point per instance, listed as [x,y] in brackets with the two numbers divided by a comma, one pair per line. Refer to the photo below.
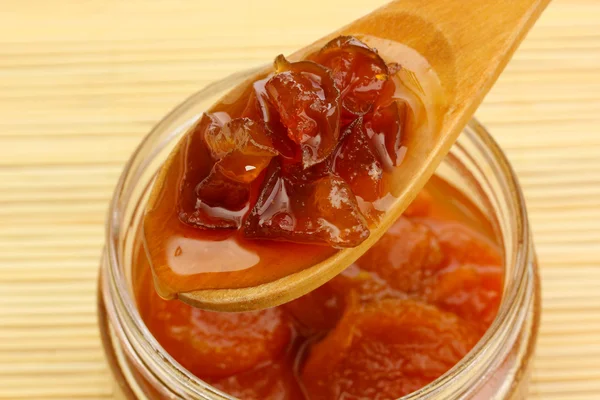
[497,368]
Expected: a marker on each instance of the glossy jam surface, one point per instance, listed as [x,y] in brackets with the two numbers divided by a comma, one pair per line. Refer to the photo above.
[394,321]
[304,125]
[301,163]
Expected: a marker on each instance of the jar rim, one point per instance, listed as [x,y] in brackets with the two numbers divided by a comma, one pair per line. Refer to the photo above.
[135,329]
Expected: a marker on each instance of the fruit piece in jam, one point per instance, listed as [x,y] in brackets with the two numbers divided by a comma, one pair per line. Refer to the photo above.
[211,344]
[308,103]
[260,109]
[360,74]
[470,291]
[221,202]
[242,149]
[385,350]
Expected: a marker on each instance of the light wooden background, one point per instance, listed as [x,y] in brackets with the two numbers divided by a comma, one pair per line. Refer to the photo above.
[82,81]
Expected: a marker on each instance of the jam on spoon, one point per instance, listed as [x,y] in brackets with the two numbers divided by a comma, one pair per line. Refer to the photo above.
[298,167]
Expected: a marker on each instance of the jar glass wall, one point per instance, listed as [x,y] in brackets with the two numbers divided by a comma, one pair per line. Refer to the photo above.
[497,368]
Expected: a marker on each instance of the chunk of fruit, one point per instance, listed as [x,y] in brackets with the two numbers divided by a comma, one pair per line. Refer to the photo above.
[321,211]
[385,128]
[212,344]
[220,202]
[472,292]
[208,199]
[406,254]
[359,72]
[358,164]
[242,147]
[464,245]
[385,350]
[308,103]
[274,381]
[260,109]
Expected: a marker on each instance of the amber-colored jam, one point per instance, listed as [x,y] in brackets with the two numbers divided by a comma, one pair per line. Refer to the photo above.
[299,165]
[394,321]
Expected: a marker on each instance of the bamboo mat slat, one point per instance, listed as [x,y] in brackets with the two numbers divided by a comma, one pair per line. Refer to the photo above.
[81,82]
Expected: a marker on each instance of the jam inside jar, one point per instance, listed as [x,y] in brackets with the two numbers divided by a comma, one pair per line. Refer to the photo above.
[397,319]
[479,306]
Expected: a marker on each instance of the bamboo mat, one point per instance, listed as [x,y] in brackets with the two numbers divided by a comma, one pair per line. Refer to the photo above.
[82,81]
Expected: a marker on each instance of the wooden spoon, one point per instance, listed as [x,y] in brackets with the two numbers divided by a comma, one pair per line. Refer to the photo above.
[467,44]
